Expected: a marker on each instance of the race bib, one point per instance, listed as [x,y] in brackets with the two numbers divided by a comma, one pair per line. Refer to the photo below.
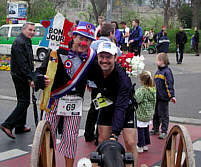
[70,106]
[100,101]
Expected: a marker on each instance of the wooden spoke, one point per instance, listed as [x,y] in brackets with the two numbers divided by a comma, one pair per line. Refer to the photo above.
[178,151]
[43,154]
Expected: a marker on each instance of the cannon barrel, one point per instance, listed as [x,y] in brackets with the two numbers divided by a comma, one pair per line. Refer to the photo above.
[110,153]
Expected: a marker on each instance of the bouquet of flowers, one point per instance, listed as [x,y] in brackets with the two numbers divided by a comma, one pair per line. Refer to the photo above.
[132,64]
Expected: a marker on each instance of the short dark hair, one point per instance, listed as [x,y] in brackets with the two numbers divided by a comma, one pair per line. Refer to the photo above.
[114,22]
[137,21]
[106,29]
[101,17]
[77,22]
[123,22]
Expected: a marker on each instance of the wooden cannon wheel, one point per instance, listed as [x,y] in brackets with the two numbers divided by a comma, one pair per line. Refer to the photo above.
[43,154]
[178,151]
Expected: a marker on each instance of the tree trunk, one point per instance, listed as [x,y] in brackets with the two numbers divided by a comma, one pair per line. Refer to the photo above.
[166,15]
[101,8]
[196,6]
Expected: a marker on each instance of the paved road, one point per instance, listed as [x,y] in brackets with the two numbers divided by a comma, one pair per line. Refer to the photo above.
[187,109]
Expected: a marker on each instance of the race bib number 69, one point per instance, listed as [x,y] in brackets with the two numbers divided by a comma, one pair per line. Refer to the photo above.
[70,106]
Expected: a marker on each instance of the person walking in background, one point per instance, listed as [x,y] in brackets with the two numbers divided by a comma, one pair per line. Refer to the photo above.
[163,43]
[22,73]
[125,36]
[181,39]
[196,41]
[164,82]
[146,99]
[136,38]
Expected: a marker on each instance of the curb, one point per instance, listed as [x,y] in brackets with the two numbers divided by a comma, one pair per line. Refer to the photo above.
[185,120]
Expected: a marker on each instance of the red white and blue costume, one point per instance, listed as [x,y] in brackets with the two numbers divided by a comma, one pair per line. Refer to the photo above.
[70,80]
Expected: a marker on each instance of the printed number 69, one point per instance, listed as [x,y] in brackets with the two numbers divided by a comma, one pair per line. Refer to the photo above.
[70,107]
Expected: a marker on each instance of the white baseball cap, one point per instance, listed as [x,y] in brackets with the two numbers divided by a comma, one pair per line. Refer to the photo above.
[108,47]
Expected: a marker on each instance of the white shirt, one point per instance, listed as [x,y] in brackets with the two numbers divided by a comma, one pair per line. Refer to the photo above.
[127,29]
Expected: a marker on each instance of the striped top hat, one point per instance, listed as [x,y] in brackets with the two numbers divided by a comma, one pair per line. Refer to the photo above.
[85,29]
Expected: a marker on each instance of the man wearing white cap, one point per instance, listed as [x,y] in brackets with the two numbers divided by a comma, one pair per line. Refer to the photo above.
[112,101]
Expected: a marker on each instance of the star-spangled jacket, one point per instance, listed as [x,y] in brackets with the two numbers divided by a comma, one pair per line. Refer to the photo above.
[164,82]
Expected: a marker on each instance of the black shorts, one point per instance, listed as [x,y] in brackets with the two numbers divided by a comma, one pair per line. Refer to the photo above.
[130,119]
[106,114]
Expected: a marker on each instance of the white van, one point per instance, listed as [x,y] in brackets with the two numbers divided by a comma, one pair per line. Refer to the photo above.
[9,32]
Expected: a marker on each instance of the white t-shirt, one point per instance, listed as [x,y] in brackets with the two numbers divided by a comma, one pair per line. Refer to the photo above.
[127,29]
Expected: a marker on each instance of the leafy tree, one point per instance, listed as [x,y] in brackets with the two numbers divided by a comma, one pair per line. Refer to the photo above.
[87,15]
[185,15]
[196,6]
[129,16]
[2,12]
[41,10]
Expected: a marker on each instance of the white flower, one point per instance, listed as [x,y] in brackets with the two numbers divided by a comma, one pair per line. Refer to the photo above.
[137,65]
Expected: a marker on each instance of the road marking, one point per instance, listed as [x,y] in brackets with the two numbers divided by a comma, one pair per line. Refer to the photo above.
[11,154]
[199,112]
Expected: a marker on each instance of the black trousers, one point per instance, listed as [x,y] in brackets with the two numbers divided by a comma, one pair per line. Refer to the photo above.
[161,116]
[124,47]
[134,48]
[17,119]
[196,48]
[143,136]
[179,56]
[91,118]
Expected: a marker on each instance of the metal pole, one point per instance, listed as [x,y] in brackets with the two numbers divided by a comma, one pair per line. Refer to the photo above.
[109,10]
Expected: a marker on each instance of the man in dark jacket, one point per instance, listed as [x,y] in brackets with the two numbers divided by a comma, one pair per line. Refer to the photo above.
[113,87]
[22,72]
[196,41]
[135,38]
[181,39]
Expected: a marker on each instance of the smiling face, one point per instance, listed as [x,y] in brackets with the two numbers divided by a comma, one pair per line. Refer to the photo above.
[106,61]
[29,31]
[81,43]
